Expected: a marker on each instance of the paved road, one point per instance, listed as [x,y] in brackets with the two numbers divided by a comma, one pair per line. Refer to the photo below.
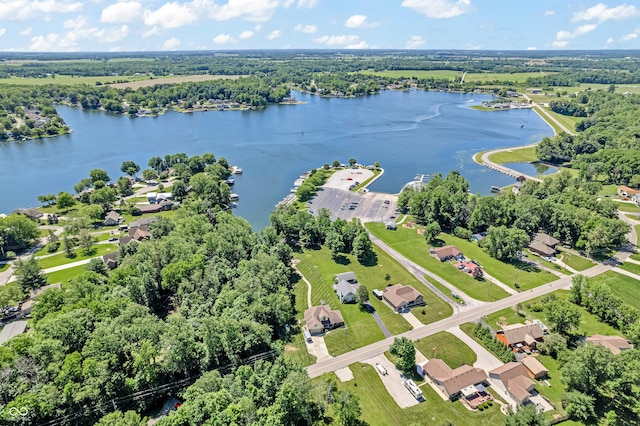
[467,315]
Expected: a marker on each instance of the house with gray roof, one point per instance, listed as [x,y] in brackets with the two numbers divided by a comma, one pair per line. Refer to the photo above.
[346,285]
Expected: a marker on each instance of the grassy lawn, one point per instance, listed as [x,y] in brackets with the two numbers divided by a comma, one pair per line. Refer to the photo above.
[4,266]
[634,268]
[517,155]
[319,268]
[296,347]
[626,288]
[62,259]
[628,207]
[546,263]
[379,408]
[66,274]
[170,214]
[556,390]
[575,261]
[448,347]
[414,247]
[568,121]
[554,126]
[609,190]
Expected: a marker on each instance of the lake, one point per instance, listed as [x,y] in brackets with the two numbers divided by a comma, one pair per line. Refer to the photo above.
[408,132]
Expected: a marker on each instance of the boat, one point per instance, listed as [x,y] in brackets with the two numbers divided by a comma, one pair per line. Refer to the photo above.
[233,204]
[495,188]
[230,181]
[234,197]
[235,170]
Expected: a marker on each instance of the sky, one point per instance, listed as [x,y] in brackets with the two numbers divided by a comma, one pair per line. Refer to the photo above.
[173,25]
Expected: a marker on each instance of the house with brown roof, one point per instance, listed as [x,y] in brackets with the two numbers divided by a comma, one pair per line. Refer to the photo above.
[534,367]
[139,233]
[447,252]
[543,244]
[111,260]
[513,379]
[112,219]
[520,337]
[402,296]
[546,239]
[615,344]
[34,214]
[625,191]
[452,382]
[322,318]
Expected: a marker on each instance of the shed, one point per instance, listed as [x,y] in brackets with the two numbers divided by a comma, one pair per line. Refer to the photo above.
[534,367]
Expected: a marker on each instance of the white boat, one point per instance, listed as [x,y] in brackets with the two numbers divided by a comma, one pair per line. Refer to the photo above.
[230,181]
[234,197]
[236,170]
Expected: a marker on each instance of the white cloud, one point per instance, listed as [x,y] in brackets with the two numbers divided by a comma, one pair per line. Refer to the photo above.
[27,31]
[223,39]
[415,42]
[532,48]
[307,29]
[257,28]
[171,15]
[359,21]
[307,3]
[2,31]
[78,31]
[609,40]
[563,37]
[602,12]
[628,37]
[125,11]
[549,12]
[438,8]
[347,41]
[171,44]
[246,34]
[274,34]
[251,10]
[18,10]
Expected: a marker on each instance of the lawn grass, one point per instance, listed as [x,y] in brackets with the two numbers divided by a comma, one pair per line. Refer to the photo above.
[379,408]
[66,274]
[4,266]
[575,261]
[319,268]
[448,348]
[62,259]
[628,207]
[557,389]
[516,155]
[608,190]
[568,121]
[626,288]
[557,129]
[634,268]
[550,265]
[414,247]
[525,275]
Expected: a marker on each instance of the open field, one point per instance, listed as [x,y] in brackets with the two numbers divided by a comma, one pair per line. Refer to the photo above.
[171,80]
[62,259]
[626,288]
[551,265]
[66,274]
[517,155]
[379,408]
[568,121]
[575,261]
[448,74]
[448,348]
[318,267]
[556,129]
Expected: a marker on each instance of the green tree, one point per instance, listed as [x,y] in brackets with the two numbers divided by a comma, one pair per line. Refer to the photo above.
[348,408]
[336,164]
[431,231]
[352,161]
[179,190]
[118,418]
[18,231]
[362,246]
[99,174]
[65,200]
[149,174]
[47,199]
[527,415]
[376,165]
[579,406]
[563,316]
[405,352]
[123,186]
[335,243]
[553,344]
[30,275]
[67,245]
[505,243]
[105,197]
[129,167]
[362,295]
[85,239]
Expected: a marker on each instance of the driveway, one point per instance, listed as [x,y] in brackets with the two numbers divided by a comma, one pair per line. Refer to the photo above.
[486,360]
[318,348]
[411,319]
[393,381]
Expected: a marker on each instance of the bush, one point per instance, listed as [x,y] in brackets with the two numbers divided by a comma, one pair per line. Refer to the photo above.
[461,232]
[489,403]
[493,345]
[537,307]
[480,407]
[53,247]
[10,255]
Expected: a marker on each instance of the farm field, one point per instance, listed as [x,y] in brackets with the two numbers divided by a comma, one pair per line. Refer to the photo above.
[118,82]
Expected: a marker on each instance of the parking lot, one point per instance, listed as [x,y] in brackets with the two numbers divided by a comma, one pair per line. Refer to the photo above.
[368,207]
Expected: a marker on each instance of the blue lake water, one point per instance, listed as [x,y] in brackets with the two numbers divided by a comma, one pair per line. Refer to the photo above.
[533,169]
[408,132]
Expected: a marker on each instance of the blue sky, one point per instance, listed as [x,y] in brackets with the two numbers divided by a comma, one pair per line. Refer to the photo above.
[149,25]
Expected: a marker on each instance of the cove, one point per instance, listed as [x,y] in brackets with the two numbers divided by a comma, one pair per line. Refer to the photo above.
[408,132]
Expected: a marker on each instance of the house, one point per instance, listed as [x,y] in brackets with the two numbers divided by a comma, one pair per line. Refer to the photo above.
[520,337]
[615,344]
[156,197]
[139,233]
[625,191]
[402,296]
[31,213]
[543,244]
[447,252]
[453,382]
[112,219]
[513,379]
[142,222]
[534,367]
[125,240]
[322,318]
[346,287]
[636,199]
[111,260]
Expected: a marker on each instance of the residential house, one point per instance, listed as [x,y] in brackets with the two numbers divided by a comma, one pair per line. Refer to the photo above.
[142,222]
[346,287]
[139,233]
[156,197]
[534,367]
[111,260]
[453,382]
[402,296]
[513,379]
[625,191]
[520,337]
[447,252]
[322,318]
[615,344]
[543,244]
[34,214]
[112,219]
